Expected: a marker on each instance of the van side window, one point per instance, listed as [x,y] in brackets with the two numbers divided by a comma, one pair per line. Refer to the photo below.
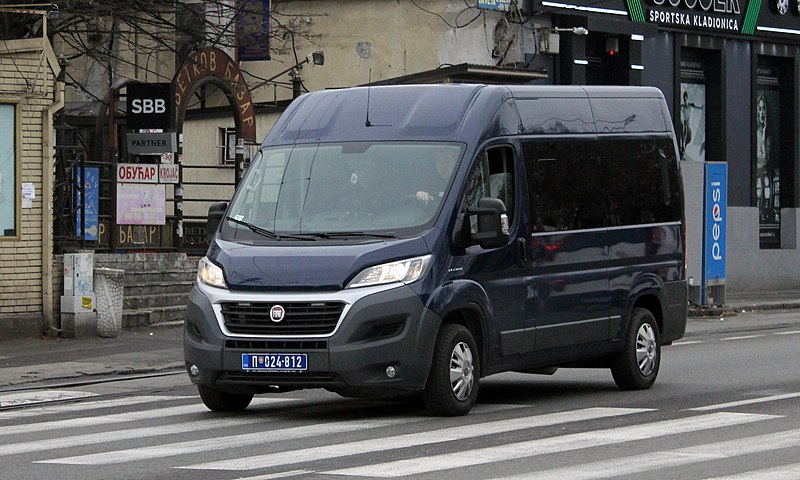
[642,184]
[566,186]
[492,176]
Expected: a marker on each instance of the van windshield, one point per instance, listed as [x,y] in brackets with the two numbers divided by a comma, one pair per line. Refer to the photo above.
[341,190]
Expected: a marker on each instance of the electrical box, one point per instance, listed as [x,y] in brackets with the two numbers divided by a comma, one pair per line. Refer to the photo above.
[78,283]
[78,274]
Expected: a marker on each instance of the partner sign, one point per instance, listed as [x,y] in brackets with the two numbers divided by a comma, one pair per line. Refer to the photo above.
[714,215]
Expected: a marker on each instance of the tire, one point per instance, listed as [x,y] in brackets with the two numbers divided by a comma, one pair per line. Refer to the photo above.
[219,401]
[636,367]
[452,386]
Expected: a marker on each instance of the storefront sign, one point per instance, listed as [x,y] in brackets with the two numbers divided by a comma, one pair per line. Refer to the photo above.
[150,105]
[137,173]
[214,64]
[151,143]
[168,173]
[141,204]
[139,236]
[749,17]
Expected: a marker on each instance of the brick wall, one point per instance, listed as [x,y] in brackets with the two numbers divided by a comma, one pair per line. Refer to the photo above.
[21,257]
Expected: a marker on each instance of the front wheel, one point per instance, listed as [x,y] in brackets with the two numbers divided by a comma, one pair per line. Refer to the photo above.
[452,386]
[636,367]
[219,401]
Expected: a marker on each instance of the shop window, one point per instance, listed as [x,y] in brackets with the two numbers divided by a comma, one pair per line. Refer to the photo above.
[773,138]
[8,170]
[609,59]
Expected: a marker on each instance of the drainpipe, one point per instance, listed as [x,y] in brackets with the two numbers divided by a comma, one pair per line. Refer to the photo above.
[49,320]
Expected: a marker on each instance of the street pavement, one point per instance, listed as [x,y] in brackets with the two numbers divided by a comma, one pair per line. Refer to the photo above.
[154,349]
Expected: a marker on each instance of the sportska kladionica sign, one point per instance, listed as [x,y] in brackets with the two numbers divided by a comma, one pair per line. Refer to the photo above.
[743,17]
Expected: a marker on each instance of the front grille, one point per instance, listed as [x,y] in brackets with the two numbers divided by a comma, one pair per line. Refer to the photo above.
[268,346]
[306,318]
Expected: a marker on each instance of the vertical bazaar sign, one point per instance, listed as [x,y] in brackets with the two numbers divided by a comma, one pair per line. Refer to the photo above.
[252,31]
[213,63]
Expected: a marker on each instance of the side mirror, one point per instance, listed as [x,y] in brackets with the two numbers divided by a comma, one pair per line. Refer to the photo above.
[489,223]
[215,214]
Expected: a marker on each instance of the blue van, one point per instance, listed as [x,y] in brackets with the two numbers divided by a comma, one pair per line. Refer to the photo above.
[413,239]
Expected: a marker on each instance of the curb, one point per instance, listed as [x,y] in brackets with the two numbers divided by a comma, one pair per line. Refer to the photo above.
[696,311]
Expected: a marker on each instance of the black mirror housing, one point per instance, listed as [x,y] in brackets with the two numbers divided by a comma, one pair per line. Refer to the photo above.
[492,223]
[215,214]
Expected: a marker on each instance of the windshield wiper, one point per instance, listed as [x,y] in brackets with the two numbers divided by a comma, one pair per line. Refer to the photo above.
[266,233]
[352,234]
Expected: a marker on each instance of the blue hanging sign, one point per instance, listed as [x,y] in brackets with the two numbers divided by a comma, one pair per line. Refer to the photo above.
[252,31]
[499,5]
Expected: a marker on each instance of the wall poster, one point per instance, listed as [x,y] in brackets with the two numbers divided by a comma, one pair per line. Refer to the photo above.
[8,171]
[767,166]
[692,135]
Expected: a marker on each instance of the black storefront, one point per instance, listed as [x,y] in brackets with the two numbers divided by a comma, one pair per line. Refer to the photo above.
[729,69]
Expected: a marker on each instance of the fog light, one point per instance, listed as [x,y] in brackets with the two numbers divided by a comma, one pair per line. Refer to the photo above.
[194,371]
[391,371]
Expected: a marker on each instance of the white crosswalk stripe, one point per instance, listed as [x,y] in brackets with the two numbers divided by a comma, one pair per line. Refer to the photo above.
[787,472]
[559,444]
[241,440]
[116,418]
[168,428]
[618,467]
[414,439]
[47,409]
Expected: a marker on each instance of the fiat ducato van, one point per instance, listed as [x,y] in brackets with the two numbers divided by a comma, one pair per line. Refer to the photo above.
[414,239]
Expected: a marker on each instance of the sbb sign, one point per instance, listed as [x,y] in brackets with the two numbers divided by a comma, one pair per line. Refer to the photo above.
[150,105]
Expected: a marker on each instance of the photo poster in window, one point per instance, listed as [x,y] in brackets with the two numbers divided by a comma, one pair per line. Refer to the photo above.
[8,170]
[767,167]
[692,135]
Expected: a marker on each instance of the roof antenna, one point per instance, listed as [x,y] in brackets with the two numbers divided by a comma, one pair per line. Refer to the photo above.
[369,82]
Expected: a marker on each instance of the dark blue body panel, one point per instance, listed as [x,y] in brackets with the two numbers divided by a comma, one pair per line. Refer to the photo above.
[555,298]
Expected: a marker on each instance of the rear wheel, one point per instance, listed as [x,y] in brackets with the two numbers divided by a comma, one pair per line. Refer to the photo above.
[219,401]
[636,367]
[452,386]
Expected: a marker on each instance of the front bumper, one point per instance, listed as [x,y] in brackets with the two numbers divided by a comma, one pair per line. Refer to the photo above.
[380,327]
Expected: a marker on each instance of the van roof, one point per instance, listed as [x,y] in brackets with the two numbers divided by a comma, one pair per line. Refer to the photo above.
[468,112]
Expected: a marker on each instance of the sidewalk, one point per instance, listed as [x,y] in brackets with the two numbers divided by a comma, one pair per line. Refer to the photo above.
[145,350]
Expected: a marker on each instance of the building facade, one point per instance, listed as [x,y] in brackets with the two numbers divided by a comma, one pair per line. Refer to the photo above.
[29,96]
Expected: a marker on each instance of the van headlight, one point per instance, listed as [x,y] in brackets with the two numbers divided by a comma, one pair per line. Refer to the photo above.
[210,274]
[406,271]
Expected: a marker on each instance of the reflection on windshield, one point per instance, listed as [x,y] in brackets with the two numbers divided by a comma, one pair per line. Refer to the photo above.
[365,188]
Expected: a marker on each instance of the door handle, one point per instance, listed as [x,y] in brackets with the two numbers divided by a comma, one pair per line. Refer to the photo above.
[522,252]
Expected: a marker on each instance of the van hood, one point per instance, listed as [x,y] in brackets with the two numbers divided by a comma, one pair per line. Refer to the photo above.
[300,266]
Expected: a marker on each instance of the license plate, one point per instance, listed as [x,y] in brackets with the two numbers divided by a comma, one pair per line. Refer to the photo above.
[275,362]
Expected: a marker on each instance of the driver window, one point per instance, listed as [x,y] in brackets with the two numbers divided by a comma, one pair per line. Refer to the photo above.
[492,176]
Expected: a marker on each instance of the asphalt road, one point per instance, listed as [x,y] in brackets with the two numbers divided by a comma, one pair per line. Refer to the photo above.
[726,405]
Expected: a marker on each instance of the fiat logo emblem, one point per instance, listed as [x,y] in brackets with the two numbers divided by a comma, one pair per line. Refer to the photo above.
[276,313]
